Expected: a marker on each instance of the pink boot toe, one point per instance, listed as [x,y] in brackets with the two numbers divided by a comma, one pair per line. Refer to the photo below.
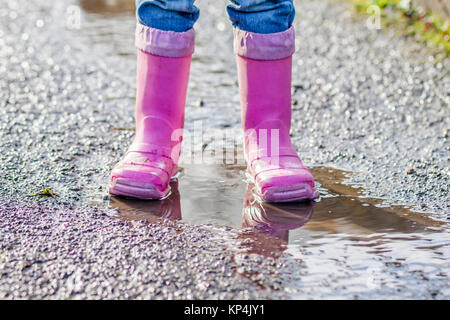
[140,180]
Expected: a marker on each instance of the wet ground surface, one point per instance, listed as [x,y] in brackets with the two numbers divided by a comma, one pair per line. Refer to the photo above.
[375,107]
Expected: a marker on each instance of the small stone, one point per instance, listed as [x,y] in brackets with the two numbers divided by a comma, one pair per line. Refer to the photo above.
[26,265]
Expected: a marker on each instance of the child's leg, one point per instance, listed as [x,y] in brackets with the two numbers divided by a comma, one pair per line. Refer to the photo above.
[168,15]
[264,41]
[261,16]
[165,42]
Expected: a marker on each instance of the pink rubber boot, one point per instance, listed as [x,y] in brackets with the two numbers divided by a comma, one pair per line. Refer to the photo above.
[163,65]
[264,67]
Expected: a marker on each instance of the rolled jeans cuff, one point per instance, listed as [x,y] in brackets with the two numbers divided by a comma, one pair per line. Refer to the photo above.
[169,44]
[264,46]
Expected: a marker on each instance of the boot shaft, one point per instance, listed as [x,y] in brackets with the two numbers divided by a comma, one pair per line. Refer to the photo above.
[162,87]
[265,89]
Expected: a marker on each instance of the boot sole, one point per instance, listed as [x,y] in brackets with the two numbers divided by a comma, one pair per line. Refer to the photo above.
[297,192]
[300,192]
[138,190]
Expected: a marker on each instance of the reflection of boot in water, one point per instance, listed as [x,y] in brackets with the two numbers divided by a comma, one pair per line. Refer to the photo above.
[267,225]
[151,211]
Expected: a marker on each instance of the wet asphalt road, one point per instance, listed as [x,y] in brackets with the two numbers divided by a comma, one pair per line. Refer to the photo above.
[364,101]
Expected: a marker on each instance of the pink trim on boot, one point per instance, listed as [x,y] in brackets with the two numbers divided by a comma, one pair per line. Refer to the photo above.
[169,44]
[260,46]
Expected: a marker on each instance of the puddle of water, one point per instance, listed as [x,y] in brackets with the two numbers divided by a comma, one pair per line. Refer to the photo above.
[110,23]
[202,195]
[340,234]
[108,8]
[220,196]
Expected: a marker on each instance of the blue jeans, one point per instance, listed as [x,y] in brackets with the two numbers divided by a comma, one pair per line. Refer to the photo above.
[258,16]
